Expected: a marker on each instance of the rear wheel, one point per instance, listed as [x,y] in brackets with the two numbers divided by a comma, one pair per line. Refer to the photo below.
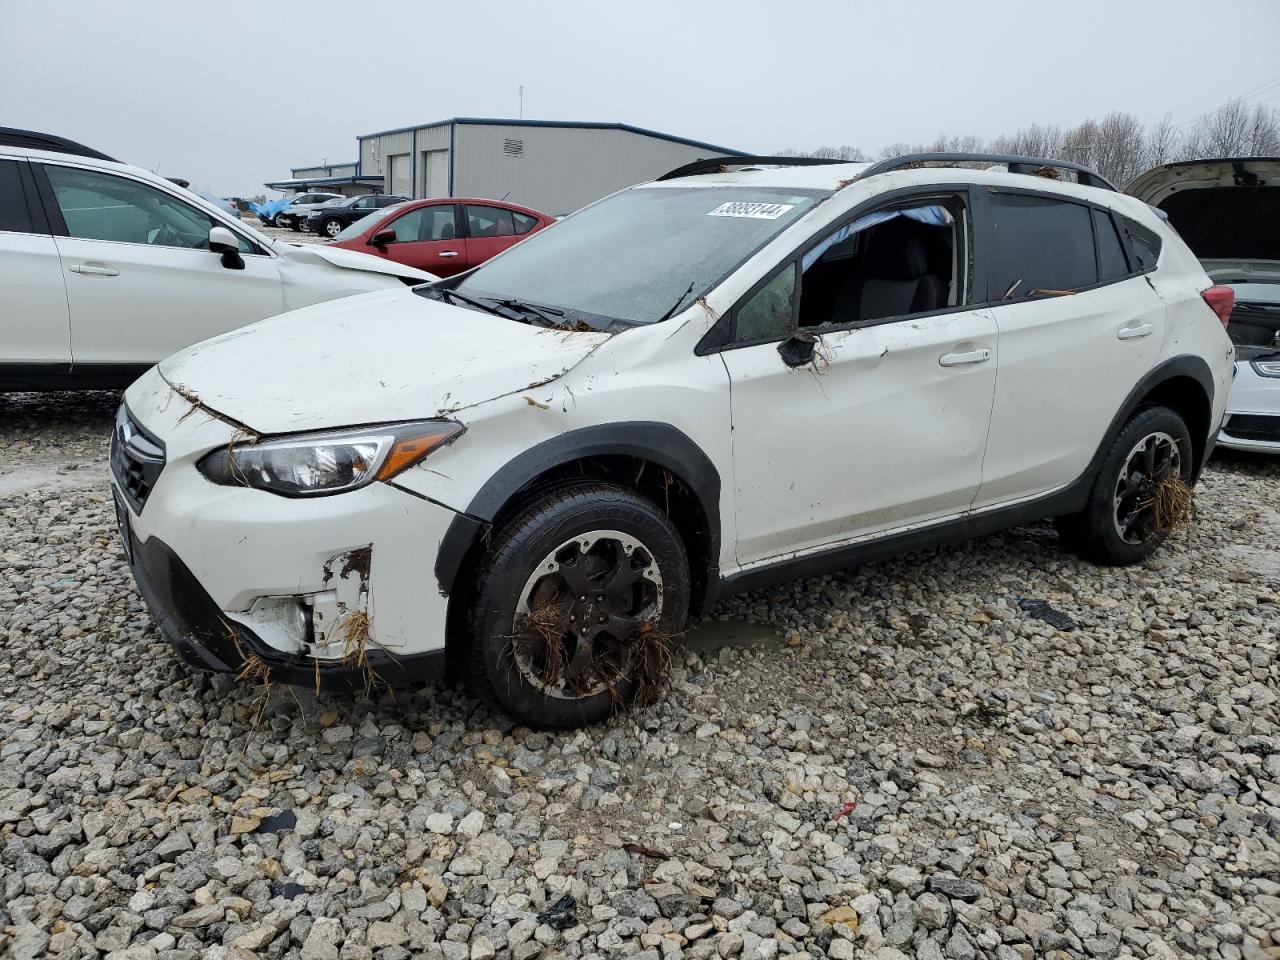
[1118,524]
[574,605]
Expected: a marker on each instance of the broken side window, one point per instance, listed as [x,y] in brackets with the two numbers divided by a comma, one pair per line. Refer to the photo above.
[890,263]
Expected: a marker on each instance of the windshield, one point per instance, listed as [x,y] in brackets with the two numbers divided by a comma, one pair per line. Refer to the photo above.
[365,222]
[642,254]
[1268,293]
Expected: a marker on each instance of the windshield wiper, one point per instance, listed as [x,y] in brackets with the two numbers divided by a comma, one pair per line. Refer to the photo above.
[675,306]
[446,295]
[548,314]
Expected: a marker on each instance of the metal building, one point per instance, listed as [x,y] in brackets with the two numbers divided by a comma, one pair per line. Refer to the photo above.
[343,178]
[553,166]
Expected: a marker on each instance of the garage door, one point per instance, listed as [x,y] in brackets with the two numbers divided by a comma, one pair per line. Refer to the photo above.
[435,163]
[401,175]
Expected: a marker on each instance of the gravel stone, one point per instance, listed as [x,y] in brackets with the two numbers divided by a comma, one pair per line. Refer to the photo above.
[897,761]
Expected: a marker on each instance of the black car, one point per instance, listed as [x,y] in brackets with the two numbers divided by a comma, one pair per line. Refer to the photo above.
[331,219]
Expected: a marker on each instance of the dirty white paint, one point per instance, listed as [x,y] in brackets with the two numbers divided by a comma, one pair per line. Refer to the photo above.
[103,301]
[882,436]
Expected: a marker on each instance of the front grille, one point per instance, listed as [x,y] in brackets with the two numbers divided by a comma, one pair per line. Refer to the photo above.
[1253,426]
[137,457]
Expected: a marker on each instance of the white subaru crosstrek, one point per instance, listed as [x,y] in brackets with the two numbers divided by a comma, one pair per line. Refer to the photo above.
[696,385]
[106,268]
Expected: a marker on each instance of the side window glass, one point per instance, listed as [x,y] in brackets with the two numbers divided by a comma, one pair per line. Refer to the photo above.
[14,216]
[886,264]
[100,206]
[425,223]
[1143,245]
[489,222]
[767,315]
[524,223]
[1040,247]
[1112,264]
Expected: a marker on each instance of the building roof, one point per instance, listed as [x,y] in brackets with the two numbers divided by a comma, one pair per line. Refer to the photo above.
[307,182]
[579,124]
[324,166]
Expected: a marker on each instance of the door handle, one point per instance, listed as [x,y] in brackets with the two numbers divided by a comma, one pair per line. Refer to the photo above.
[1135,331]
[93,270]
[981,355]
[449,253]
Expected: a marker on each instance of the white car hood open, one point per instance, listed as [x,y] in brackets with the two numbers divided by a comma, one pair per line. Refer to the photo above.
[376,358]
[348,260]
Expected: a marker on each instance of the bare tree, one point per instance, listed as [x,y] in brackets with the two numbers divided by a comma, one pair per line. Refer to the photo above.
[1162,142]
[1119,146]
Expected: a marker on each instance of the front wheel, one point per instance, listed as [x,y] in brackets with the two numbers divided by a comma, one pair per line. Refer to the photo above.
[1122,523]
[575,605]
[332,228]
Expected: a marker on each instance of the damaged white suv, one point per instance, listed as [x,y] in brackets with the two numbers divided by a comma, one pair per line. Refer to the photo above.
[701,384]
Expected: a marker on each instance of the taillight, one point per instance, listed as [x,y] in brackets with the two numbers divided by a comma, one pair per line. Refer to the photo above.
[1220,300]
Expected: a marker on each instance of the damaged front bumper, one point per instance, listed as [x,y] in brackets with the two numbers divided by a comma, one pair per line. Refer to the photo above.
[335,592]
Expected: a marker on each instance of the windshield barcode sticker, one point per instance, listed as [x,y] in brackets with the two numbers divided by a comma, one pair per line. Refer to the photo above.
[754,211]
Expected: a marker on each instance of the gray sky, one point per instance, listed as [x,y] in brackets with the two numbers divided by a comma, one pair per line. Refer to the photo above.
[169,85]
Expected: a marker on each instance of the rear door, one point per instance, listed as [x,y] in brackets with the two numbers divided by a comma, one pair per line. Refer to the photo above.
[1079,327]
[140,278]
[490,230]
[428,238]
[34,320]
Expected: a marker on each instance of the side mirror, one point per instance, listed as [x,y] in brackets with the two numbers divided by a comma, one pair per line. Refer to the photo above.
[798,349]
[382,238]
[223,241]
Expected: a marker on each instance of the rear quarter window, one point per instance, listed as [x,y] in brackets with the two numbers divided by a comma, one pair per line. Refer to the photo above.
[1144,245]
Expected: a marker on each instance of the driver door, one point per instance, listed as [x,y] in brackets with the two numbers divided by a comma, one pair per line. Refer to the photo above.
[861,385]
[141,281]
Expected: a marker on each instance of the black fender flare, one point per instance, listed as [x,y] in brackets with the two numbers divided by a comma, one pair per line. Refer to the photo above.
[1186,365]
[658,443]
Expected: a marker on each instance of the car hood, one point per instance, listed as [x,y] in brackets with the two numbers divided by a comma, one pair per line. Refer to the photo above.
[325,253]
[1224,209]
[375,358]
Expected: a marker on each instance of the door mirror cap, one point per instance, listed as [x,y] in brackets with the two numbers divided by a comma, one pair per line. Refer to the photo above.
[382,238]
[223,241]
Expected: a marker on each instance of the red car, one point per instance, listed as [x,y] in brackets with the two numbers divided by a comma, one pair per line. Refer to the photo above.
[445,236]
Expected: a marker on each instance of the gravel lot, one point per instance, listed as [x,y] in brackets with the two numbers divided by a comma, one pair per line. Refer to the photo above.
[891,762]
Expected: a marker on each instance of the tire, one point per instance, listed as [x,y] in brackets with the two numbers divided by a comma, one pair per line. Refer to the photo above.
[331,228]
[535,562]
[1109,530]
[295,224]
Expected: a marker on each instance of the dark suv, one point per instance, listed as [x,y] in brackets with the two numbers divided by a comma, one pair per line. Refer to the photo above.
[331,219]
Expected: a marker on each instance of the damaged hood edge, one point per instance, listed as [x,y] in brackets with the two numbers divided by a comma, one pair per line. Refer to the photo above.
[347,260]
[377,358]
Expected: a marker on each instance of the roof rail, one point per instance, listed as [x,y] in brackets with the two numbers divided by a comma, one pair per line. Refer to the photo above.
[31,140]
[1016,164]
[714,164]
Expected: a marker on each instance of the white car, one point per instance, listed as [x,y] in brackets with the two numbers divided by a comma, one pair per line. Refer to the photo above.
[1226,211]
[702,384]
[106,269]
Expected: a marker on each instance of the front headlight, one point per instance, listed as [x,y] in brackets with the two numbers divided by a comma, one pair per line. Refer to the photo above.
[1266,368]
[318,464]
